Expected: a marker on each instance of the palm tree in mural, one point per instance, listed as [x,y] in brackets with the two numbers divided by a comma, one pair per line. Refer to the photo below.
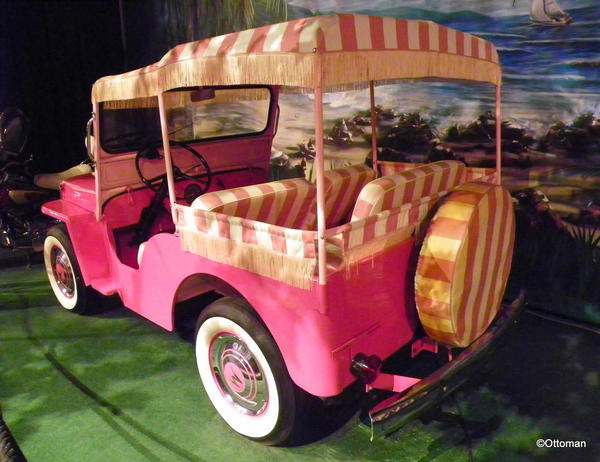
[188,20]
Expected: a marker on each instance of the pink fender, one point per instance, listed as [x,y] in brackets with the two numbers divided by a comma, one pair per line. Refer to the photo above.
[367,311]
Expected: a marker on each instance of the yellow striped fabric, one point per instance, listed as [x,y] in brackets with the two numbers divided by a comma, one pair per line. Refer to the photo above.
[464,263]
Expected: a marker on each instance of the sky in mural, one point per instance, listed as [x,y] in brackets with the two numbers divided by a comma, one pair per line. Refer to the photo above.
[550,73]
[488,7]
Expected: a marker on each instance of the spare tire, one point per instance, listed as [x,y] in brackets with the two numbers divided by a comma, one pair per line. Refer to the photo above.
[464,263]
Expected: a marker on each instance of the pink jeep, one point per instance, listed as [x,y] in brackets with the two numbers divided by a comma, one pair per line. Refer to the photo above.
[321,281]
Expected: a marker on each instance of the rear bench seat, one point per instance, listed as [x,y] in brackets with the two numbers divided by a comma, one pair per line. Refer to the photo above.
[392,191]
[342,186]
[287,203]
[291,203]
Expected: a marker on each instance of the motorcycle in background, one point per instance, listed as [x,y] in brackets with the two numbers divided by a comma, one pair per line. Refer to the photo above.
[22,192]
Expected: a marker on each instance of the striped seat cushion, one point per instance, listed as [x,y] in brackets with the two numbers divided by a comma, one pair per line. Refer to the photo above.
[473,173]
[286,203]
[392,191]
[391,168]
[342,187]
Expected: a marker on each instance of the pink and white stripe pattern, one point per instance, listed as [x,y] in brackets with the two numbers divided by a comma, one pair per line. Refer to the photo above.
[484,175]
[286,241]
[390,192]
[391,168]
[342,186]
[288,203]
[201,62]
[487,175]
[406,217]
[341,32]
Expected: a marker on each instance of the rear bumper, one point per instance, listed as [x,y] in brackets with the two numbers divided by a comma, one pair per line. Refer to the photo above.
[395,411]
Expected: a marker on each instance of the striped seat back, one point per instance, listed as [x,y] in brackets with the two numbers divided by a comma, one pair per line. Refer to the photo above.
[390,192]
[342,187]
[287,203]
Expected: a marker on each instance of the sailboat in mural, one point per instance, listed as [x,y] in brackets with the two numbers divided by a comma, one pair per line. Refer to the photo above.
[548,13]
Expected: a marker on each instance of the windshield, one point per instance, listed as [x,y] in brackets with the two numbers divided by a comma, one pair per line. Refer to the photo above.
[192,116]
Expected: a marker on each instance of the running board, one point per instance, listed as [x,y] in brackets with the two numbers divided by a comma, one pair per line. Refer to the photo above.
[104,285]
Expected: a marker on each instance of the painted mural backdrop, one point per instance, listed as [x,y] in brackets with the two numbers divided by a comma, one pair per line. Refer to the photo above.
[551,118]
[551,141]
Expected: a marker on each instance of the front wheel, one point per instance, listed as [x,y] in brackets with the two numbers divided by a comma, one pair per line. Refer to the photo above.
[243,373]
[64,273]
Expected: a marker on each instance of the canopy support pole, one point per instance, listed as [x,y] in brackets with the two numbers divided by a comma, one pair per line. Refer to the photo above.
[373,126]
[97,158]
[320,166]
[498,135]
[167,152]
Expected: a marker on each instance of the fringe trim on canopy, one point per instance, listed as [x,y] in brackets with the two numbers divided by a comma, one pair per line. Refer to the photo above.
[348,67]
[271,69]
[294,271]
[341,70]
[135,103]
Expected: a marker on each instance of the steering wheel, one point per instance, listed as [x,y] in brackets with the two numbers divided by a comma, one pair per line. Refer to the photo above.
[202,179]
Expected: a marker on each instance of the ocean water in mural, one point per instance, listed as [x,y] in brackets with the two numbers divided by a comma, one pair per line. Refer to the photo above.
[550,73]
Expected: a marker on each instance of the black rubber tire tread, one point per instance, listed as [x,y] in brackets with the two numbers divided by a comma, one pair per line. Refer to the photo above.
[87,298]
[9,449]
[292,399]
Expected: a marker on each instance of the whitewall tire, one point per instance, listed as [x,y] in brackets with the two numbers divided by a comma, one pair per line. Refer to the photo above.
[243,372]
[63,271]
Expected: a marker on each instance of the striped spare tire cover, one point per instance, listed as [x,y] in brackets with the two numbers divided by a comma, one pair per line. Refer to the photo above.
[464,263]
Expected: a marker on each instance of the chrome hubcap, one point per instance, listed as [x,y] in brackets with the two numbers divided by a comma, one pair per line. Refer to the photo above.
[238,375]
[62,271]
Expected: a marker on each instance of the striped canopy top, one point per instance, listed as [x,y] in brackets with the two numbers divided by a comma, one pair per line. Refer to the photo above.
[334,51]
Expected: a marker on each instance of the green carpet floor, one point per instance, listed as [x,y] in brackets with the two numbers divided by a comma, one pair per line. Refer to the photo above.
[114,387]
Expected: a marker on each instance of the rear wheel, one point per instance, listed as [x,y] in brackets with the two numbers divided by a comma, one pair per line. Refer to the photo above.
[64,273]
[244,374]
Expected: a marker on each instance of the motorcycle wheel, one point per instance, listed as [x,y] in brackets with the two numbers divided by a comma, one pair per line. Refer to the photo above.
[64,273]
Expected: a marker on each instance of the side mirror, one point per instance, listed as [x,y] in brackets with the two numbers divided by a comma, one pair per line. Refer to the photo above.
[202,94]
